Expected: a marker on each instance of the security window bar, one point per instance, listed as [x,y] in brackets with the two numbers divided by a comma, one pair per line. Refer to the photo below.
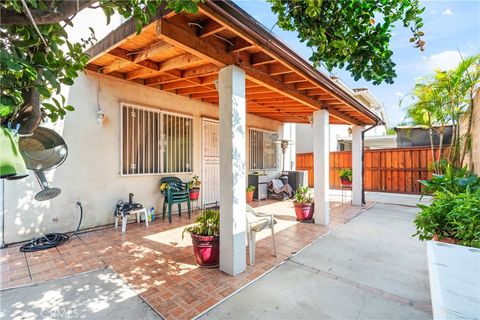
[263,150]
[155,142]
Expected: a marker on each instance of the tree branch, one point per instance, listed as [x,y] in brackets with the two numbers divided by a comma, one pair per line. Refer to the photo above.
[62,12]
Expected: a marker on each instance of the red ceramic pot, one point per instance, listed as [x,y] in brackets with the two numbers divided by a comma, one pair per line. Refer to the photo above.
[206,250]
[194,193]
[304,211]
[445,240]
[346,181]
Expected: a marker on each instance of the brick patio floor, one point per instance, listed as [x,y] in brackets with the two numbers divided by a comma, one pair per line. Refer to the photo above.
[159,265]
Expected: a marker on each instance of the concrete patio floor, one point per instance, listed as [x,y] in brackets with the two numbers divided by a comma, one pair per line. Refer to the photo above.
[369,268]
[94,295]
[158,265]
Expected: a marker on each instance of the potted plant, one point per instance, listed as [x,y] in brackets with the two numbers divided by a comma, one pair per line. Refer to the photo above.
[205,234]
[194,186]
[303,204]
[250,190]
[346,176]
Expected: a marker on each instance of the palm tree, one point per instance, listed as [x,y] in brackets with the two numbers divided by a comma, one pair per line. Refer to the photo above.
[447,98]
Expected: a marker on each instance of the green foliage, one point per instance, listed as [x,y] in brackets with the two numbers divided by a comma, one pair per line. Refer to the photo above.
[445,98]
[27,63]
[302,195]
[391,131]
[251,188]
[208,224]
[345,33]
[195,183]
[345,173]
[451,215]
[453,181]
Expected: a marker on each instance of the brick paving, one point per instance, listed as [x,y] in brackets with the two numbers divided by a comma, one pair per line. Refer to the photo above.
[159,265]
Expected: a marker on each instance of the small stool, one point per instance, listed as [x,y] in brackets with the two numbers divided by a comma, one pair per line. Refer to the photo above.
[138,212]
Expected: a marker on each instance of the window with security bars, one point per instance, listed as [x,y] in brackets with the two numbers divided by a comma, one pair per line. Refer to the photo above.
[155,142]
[263,149]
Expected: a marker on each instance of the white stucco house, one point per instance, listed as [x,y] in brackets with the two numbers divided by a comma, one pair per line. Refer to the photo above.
[205,94]
[341,135]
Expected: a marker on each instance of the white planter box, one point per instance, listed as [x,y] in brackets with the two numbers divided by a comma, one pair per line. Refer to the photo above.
[454,280]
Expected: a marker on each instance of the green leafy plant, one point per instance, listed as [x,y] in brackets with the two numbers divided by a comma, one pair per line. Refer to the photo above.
[207,224]
[251,188]
[302,195]
[195,183]
[453,180]
[347,33]
[38,59]
[345,173]
[451,215]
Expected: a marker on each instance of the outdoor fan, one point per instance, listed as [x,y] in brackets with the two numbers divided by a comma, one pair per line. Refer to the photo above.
[43,150]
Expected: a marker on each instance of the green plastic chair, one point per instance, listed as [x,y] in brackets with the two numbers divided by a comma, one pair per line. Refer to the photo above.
[177,192]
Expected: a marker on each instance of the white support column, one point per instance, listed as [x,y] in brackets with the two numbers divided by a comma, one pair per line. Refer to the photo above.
[231,90]
[321,153]
[357,177]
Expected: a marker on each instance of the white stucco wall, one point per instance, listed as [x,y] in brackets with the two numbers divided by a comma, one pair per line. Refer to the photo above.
[91,172]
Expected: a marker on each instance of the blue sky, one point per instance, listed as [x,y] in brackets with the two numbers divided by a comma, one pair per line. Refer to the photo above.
[450,27]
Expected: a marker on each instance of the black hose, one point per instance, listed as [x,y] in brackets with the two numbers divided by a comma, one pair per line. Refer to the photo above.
[50,240]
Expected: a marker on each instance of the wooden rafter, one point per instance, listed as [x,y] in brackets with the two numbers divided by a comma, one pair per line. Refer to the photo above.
[178,37]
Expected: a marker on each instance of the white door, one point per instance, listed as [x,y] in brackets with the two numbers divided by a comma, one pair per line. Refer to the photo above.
[211,161]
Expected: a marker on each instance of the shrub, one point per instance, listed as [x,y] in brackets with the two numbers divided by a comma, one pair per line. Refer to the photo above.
[453,180]
[451,215]
[207,224]
[251,188]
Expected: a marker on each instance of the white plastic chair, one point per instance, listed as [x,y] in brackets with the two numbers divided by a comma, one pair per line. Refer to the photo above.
[256,222]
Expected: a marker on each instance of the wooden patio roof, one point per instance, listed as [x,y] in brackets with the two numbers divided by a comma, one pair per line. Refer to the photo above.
[182,54]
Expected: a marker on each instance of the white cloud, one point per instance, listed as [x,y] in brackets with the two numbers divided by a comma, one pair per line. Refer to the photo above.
[447,12]
[444,60]
[399,93]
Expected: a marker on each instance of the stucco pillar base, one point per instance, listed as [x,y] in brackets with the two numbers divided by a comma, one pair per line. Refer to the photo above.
[357,176]
[231,89]
[321,153]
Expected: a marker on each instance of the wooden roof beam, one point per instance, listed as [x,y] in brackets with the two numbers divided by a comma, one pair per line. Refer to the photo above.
[257,59]
[219,56]
[209,28]
[170,64]
[305,85]
[240,44]
[278,69]
[127,58]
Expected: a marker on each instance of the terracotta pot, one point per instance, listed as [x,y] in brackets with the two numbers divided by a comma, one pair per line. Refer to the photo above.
[206,250]
[194,193]
[250,196]
[346,181]
[304,211]
[445,240]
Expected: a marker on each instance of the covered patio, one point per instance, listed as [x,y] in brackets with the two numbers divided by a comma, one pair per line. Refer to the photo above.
[222,56]
[159,265]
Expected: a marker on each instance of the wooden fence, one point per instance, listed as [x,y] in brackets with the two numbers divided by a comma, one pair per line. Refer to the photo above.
[386,170]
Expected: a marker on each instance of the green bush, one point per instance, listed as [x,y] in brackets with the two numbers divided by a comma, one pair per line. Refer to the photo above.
[453,180]
[451,215]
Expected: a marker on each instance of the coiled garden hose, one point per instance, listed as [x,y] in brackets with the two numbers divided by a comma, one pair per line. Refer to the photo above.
[50,240]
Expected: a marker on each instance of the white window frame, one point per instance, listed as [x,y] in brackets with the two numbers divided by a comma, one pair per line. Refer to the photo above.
[161,158]
[276,165]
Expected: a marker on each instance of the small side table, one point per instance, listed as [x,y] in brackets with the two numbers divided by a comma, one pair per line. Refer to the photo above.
[345,188]
[137,212]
